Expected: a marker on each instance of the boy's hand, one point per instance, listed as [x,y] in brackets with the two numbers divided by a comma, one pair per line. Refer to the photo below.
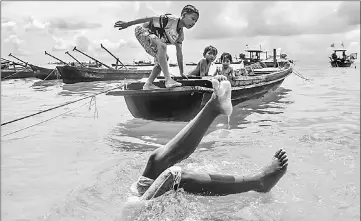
[121,25]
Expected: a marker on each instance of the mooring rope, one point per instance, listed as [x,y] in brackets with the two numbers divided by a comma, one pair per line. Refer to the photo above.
[49,74]
[67,103]
[43,121]
[296,72]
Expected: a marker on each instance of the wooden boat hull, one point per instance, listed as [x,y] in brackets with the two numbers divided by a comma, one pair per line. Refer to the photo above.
[71,74]
[16,74]
[183,103]
[278,64]
[341,64]
[43,73]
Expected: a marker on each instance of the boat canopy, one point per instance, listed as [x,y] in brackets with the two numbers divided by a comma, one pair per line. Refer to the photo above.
[339,50]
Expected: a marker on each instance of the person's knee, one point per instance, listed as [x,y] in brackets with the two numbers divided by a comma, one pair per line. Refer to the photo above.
[157,158]
[162,49]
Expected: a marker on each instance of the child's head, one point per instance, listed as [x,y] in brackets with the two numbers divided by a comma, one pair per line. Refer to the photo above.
[190,16]
[210,53]
[226,59]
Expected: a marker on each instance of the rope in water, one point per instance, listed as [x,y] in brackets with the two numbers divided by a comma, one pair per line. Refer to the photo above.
[43,121]
[67,103]
[50,74]
[296,72]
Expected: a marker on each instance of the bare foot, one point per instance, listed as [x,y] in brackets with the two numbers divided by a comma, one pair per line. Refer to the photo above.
[222,94]
[272,173]
[172,83]
[150,86]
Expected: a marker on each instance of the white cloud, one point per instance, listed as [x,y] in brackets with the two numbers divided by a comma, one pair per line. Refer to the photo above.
[300,28]
[16,45]
[35,25]
[13,39]
[8,25]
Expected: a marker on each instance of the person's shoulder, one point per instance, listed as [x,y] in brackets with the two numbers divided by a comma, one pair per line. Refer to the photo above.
[171,16]
[202,61]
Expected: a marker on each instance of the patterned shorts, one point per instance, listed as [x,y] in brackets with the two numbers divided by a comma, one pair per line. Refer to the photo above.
[146,40]
[166,181]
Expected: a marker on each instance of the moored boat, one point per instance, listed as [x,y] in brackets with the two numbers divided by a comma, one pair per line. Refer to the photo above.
[39,72]
[183,103]
[16,73]
[75,74]
[14,70]
[45,73]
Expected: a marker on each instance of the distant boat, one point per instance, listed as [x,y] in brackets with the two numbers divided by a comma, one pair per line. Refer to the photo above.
[141,63]
[342,60]
[254,56]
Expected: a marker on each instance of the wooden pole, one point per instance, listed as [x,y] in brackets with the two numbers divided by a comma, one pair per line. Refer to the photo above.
[74,58]
[56,58]
[274,58]
[117,59]
[75,49]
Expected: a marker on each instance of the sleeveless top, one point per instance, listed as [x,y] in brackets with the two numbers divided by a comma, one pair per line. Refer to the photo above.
[165,28]
[227,72]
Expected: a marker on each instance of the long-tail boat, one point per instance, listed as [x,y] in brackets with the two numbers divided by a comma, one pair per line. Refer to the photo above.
[343,60]
[40,72]
[75,74]
[183,103]
[14,70]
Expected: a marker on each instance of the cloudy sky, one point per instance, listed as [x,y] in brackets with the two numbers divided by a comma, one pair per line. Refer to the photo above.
[304,30]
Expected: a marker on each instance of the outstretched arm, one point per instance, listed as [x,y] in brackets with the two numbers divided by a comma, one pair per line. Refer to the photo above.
[123,24]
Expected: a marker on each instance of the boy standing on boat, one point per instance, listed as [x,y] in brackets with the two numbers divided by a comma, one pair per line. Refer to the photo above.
[202,69]
[156,33]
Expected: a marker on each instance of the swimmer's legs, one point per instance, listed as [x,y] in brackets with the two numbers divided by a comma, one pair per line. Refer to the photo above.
[187,140]
[264,181]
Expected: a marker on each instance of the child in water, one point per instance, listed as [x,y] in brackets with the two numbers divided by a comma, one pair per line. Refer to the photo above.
[227,70]
[202,69]
[156,33]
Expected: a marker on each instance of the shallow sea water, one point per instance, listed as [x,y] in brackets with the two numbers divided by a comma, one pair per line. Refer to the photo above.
[80,165]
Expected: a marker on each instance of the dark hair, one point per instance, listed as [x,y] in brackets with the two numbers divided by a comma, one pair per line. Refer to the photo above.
[210,48]
[190,9]
[226,55]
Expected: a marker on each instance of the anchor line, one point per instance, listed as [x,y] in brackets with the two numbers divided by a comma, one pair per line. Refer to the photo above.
[67,103]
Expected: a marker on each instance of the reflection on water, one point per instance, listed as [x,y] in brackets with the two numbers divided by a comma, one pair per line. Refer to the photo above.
[46,85]
[152,134]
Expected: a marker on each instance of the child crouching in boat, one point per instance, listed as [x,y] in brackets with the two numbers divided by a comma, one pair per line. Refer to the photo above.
[202,69]
[156,33]
[227,69]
